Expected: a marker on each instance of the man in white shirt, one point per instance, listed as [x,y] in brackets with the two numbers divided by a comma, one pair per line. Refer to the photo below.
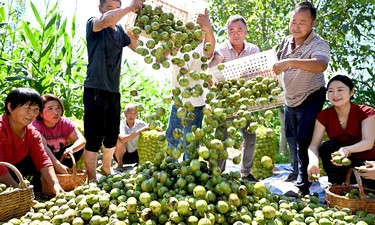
[127,142]
[199,101]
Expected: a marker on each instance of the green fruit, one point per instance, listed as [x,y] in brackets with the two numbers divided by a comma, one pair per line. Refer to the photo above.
[207,46]
[237,159]
[136,30]
[337,159]
[346,162]
[87,213]
[221,66]
[269,212]
[266,162]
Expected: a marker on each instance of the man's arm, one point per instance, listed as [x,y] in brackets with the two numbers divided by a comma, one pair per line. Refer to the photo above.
[133,40]
[111,18]
[123,138]
[314,65]
[216,60]
[204,21]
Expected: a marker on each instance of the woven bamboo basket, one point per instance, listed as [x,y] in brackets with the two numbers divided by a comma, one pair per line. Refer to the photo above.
[74,178]
[335,200]
[15,203]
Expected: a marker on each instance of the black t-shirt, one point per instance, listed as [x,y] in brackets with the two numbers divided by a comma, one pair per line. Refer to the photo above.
[104,50]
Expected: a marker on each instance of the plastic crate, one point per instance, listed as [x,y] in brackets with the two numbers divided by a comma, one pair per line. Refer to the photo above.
[258,107]
[248,67]
[182,10]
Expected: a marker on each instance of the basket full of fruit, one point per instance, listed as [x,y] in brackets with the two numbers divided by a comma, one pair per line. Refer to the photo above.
[15,202]
[356,198]
[74,178]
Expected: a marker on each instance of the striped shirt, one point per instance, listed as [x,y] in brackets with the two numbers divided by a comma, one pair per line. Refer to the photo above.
[299,84]
[227,51]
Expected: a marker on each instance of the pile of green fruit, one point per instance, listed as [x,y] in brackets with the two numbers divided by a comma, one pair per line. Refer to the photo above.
[265,153]
[354,194]
[184,193]
[151,146]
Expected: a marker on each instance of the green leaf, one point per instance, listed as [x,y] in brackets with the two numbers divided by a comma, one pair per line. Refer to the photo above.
[30,36]
[51,22]
[48,49]
[36,14]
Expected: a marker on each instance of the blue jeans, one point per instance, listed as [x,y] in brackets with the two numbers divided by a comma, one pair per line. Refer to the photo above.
[299,125]
[175,122]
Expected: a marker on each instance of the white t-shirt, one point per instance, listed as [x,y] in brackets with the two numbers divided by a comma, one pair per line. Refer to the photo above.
[131,146]
[192,64]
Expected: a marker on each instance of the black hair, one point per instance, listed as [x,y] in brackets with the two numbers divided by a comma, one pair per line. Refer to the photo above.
[103,1]
[22,96]
[345,80]
[306,6]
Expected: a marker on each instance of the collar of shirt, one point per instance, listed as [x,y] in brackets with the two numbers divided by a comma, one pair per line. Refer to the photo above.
[351,125]
[135,124]
[305,42]
[230,46]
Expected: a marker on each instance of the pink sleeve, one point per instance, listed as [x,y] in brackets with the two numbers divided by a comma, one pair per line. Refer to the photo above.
[68,126]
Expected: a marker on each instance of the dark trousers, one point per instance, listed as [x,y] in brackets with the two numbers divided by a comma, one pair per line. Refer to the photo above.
[299,125]
[29,172]
[129,157]
[337,174]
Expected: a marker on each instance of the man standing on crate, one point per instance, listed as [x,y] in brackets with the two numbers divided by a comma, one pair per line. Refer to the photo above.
[303,57]
[236,47]
[105,41]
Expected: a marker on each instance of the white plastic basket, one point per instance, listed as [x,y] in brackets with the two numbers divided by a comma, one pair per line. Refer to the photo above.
[248,67]
[280,101]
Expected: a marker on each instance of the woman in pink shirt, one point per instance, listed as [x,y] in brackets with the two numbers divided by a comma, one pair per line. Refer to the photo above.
[21,144]
[60,134]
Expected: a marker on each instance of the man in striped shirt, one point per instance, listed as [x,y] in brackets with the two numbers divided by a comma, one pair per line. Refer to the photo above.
[303,57]
[233,48]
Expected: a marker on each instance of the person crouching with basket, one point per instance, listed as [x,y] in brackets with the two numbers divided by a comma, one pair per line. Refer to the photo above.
[351,130]
[21,144]
[60,134]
